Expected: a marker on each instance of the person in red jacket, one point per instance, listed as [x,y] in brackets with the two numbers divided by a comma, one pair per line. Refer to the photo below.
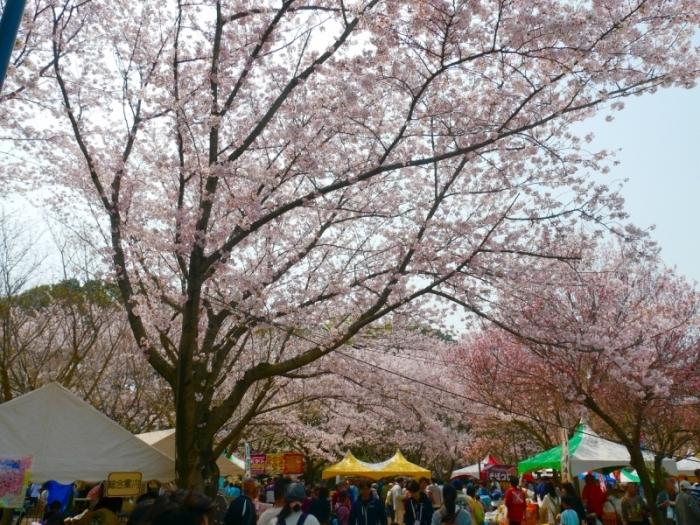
[593,496]
[516,502]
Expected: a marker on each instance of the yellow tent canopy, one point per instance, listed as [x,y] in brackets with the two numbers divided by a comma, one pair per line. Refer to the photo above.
[397,465]
[350,466]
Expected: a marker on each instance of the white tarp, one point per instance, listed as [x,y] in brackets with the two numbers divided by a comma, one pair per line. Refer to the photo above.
[70,440]
[164,440]
[688,466]
[595,452]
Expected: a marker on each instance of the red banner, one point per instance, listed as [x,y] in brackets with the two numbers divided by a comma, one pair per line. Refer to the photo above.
[293,463]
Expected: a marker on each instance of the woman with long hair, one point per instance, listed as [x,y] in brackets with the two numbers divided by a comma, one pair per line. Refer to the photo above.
[449,513]
[567,489]
[551,505]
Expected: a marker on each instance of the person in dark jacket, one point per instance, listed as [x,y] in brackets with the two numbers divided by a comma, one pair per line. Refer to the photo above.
[367,510]
[419,509]
[242,509]
[321,506]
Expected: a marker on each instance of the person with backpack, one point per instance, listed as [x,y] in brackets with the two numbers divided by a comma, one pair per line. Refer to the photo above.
[368,509]
[449,513]
[291,513]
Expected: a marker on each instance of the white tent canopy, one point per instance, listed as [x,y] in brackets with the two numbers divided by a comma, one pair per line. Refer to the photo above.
[474,470]
[70,440]
[688,466]
[595,452]
[164,440]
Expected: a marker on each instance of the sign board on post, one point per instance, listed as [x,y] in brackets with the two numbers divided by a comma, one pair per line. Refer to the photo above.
[123,484]
[14,479]
[247,460]
[501,472]
[258,463]
[565,470]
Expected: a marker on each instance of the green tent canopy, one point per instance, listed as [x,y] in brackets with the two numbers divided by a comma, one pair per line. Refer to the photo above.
[550,459]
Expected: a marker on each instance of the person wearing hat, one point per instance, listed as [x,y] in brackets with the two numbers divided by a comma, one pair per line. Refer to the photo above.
[368,509]
[687,509]
[291,513]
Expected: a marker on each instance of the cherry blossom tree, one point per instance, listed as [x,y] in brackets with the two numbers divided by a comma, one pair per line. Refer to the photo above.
[17,265]
[370,399]
[616,335]
[522,412]
[262,172]
[77,335]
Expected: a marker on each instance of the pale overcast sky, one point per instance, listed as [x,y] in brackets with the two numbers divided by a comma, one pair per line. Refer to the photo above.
[659,140]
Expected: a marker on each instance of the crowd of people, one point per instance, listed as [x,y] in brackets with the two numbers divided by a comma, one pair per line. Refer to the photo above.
[422,502]
[401,502]
[599,504]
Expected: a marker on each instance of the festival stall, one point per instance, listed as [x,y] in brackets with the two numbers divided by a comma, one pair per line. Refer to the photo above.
[349,467]
[164,440]
[398,465]
[587,451]
[475,470]
[395,466]
[65,439]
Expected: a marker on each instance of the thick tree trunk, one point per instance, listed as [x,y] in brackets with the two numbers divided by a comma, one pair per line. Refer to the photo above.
[195,462]
[186,453]
[4,369]
[633,445]
[650,492]
[659,481]
[187,469]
